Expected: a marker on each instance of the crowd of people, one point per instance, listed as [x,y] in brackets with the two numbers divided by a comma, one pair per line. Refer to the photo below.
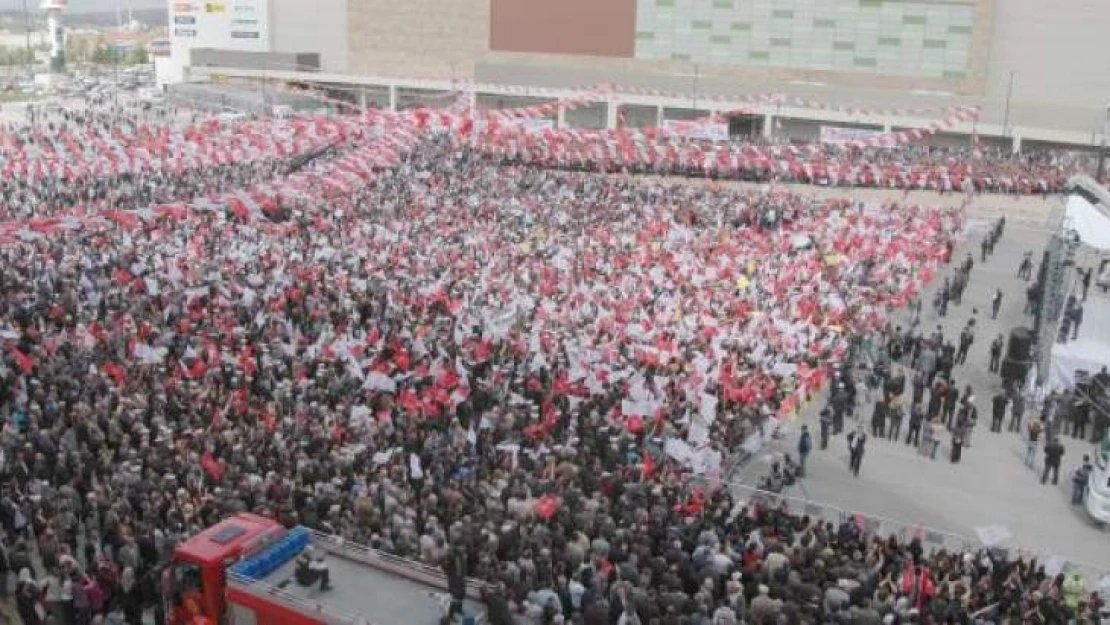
[945,170]
[508,368]
[79,163]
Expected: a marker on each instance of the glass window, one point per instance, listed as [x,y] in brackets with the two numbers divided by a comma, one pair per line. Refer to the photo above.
[184,590]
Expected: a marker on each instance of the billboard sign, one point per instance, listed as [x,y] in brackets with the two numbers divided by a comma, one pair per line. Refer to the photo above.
[239,25]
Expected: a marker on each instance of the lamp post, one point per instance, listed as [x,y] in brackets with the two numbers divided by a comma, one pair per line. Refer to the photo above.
[694,98]
[1006,111]
[1102,149]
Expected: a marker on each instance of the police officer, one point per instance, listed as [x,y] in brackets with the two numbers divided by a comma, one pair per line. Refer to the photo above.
[826,425]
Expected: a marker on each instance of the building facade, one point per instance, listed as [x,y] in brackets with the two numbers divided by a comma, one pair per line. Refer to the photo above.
[1026,63]
[864,52]
[257,27]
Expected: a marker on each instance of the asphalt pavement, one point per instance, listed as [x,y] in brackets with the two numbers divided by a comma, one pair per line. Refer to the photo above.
[990,485]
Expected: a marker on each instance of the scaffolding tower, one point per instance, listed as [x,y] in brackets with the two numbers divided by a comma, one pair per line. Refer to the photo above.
[1059,259]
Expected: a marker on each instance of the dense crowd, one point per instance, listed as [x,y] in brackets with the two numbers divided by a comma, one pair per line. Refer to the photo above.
[70,163]
[519,366]
[945,170]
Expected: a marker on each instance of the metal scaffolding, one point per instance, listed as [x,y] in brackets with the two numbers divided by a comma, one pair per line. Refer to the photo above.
[1059,259]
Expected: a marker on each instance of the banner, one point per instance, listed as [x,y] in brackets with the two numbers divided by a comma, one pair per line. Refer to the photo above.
[839,135]
[697,130]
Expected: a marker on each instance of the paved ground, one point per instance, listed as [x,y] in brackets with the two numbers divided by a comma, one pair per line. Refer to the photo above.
[990,486]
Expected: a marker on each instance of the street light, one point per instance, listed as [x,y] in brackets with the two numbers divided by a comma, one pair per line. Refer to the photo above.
[1102,150]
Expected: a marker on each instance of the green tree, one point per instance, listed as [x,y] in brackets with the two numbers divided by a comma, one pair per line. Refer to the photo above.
[15,55]
[79,49]
[105,55]
[139,55]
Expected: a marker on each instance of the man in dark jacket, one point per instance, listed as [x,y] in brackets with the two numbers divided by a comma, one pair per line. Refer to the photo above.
[951,400]
[454,566]
[917,417]
[998,410]
[497,605]
[856,442]
[1053,453]
[996,354]
[805,445]
[967,337]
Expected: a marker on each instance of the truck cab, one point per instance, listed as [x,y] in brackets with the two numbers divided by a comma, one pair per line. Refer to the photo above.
[194,586]
[243,571]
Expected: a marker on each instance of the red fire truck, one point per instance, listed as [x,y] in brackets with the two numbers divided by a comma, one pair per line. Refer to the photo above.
[241,571]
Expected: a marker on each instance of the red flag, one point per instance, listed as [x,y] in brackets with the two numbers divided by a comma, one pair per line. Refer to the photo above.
[25,362]
[269,420]
[197,370]
[546,507]
[211,466]
[116,372]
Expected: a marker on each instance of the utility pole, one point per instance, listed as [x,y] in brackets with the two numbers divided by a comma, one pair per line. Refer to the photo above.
[1102,150]
[27,31]
[694,100]
[1006,112]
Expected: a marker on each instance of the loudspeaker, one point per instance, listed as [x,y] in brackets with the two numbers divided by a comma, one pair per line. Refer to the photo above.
[1014,370]
[1021,344]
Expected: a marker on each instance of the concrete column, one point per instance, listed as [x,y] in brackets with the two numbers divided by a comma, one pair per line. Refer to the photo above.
[611,114]
[887,128]
[1017,143]
[768,125]
[659,116]
[393,97]
[562,119]
[362,99]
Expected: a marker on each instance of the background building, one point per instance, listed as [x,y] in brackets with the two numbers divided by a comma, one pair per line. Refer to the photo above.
[1030,64]
[274,31]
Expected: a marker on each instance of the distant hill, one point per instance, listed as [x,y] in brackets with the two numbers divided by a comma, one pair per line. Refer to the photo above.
[146,17]
[83,6]
[91,18]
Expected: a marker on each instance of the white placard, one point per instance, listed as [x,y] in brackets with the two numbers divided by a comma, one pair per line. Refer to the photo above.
[993,535]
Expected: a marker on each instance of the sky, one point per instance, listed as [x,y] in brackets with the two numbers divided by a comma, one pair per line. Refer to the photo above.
[85,6]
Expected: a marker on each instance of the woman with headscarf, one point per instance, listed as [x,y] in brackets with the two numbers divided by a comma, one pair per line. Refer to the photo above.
[28,597]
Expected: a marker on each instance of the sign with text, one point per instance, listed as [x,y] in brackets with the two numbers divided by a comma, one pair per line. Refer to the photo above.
[838,134]
[701,131]
[239,25]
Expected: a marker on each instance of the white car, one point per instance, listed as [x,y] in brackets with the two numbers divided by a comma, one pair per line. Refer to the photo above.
[1098,485]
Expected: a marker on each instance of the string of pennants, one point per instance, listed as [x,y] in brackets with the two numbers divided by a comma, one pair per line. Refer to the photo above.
[499,130]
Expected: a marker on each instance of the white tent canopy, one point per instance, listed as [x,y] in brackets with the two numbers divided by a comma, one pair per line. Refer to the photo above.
[1092,225]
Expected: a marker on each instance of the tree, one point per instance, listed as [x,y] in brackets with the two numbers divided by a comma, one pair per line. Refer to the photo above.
[79,49]
[105,55]
[15,55]
[139,55]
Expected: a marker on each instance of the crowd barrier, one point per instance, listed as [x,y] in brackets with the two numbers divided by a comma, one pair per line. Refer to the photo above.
[1097,577]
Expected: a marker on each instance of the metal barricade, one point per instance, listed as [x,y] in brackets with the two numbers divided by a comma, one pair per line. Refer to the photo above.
[932,539]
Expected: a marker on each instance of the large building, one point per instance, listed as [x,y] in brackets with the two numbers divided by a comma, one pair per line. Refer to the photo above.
[1036,68]
[271,34]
